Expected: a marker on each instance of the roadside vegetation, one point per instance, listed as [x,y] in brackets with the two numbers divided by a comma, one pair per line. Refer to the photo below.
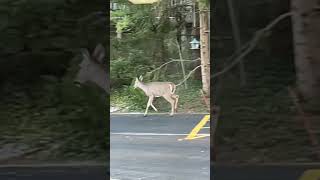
[261,121]
[43,115]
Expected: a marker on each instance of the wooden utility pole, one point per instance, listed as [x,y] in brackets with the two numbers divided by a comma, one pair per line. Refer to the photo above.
[204,50]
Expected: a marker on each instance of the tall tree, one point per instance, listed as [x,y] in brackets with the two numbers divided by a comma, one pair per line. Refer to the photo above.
[204,40]
[306,30]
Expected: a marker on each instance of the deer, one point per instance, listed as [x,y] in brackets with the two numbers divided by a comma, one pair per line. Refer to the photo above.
[92,69]
[158,89]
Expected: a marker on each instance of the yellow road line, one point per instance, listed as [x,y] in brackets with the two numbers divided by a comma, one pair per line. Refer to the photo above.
[198,136]
[196,129]
[311,174]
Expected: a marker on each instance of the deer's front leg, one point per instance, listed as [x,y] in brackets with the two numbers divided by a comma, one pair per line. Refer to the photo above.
[148,105]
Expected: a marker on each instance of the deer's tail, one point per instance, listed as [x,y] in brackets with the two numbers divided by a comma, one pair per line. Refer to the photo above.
[173,88]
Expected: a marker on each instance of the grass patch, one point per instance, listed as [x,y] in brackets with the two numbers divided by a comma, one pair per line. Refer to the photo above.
[257,122]
[67,121]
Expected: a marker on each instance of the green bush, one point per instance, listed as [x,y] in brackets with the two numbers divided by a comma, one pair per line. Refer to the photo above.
[130,64]
[128,97]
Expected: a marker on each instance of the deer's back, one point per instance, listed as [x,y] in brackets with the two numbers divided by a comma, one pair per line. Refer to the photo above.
[160,88]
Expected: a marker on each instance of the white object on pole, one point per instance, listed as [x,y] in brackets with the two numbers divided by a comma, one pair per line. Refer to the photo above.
[143,1]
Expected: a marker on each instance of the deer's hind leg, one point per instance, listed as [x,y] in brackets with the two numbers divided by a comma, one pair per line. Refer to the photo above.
[171,100]
[176,98]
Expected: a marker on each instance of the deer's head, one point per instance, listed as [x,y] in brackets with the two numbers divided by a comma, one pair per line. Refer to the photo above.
[137,82]
[92,69]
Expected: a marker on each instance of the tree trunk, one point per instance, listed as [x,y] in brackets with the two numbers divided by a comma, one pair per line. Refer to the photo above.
[237,39]
[195,33]
[195,55]
[306,30]
[119,34]
[182,63]
[205,59]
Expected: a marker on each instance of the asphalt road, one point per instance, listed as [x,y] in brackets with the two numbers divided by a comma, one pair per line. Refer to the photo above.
[53,173]
[265,172]
[249,172]
[148,148]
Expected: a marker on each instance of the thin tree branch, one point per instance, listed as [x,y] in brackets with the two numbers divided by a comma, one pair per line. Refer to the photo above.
[250,45]
[187,77]
[173,60]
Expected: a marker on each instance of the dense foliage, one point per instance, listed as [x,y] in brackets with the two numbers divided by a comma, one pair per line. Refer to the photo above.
[258,122]
[39,55]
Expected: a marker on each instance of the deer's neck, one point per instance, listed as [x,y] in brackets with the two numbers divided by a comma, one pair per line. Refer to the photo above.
[143,87]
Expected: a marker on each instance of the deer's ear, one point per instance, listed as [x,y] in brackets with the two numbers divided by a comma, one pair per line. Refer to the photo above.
[140,78]
[99,53]
[85,54]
